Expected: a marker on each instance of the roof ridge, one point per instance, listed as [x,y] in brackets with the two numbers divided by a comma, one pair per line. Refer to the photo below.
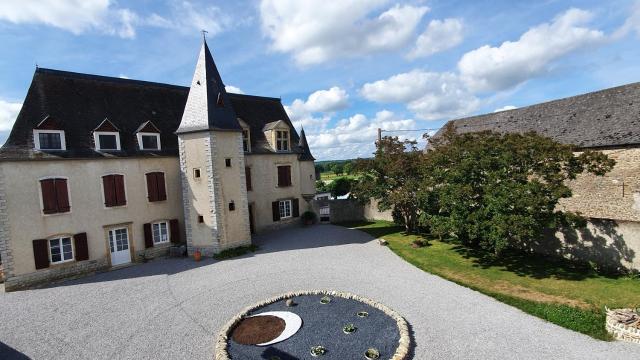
[545,103]
[114,79]
[258,97]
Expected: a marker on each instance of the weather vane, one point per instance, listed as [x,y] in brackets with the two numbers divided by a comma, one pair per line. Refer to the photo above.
[204,34]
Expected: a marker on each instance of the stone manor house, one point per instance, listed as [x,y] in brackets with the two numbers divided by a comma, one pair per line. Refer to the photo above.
[607,120]
[101,172]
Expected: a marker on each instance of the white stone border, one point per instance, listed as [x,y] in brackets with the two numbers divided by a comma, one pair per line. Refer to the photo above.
[621,331]
[404,343]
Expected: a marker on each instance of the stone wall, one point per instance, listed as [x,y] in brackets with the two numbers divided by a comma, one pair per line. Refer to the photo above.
[371,212]
[614,196]
[57,273]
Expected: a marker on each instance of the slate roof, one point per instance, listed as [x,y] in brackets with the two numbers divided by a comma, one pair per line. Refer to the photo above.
[306,152]
[220,116]
[80,102]
[607,118]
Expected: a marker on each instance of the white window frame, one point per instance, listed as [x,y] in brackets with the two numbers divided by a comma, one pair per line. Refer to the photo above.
[140,144]
[36,139]
[282,208]
[248,139]
[96,140]
[283,138]
[59,238]
[153,233]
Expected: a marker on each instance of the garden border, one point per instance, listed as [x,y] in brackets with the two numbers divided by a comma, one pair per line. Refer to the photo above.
[404,343]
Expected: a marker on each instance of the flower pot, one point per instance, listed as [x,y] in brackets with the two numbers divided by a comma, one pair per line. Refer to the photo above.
[308,222]
[197,256]
[372,354]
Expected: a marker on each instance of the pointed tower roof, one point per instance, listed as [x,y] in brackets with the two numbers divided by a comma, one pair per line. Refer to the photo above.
[306,152]
[208,105]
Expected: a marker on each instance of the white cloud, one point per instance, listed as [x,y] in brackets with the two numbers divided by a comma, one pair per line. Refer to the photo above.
[430,95]
[8,114]
[81,16]
[632,24]
[186,17]
[355,136]
[302,112]
[506,108]
[76,16]
[439,36]
[315,31]
[498,68]
[233,89]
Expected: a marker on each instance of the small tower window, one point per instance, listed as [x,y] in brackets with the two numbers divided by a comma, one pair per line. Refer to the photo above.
[232,206]
[196,173]
[220,100]
[200,219]
[227,162]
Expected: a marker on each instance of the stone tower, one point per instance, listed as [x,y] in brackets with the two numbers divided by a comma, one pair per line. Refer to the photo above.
[212,166]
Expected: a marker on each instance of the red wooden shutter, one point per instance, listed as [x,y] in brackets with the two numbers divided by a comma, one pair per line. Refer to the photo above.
[247,175]
[162,190]
[81,246]
[275,208]
[62,195]
[41,253]
[281,176]
[152,187]
[121,198]
[49,203]
[109,190]
[148,236]
[288,175]
[174,226]
[296,207]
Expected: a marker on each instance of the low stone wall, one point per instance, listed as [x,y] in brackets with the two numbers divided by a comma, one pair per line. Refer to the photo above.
[46,276]
[621,331]
[344,210]
[371,212]
[75,270]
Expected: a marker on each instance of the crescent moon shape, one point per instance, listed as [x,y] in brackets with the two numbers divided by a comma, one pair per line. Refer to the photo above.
[292,323]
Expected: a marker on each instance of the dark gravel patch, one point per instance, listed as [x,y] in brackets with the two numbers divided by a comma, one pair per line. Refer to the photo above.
[322,325]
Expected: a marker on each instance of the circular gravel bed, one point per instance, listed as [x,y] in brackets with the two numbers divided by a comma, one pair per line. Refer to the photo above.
[346,326]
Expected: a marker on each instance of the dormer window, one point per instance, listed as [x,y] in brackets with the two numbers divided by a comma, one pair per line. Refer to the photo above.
[246,140]
[148,137]
[149,141]
[49,139]
[48,135]
[282,140]
[106,136]
[107,140]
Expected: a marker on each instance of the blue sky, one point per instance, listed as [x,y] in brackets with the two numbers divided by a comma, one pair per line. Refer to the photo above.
[342,68]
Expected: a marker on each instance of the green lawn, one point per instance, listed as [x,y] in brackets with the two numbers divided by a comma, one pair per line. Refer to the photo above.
[559,291]
[330,176]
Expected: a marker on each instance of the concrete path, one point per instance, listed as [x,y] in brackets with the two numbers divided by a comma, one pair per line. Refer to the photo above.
[173,309]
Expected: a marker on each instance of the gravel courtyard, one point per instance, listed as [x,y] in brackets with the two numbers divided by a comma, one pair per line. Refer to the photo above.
[173,308]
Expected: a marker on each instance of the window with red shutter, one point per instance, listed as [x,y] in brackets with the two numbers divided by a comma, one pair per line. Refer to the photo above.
[55,196]
[121,198]
[114,192]
[247,175]
[284,176]
[156,189]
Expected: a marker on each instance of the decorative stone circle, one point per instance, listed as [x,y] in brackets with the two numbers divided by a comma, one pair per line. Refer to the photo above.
[404,343]
[623,324]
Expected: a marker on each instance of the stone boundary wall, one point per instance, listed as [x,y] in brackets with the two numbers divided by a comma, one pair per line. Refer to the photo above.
[611,244]
[348,210]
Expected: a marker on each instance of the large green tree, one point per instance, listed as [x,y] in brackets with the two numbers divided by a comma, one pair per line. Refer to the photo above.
[393,178]
[497,191]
